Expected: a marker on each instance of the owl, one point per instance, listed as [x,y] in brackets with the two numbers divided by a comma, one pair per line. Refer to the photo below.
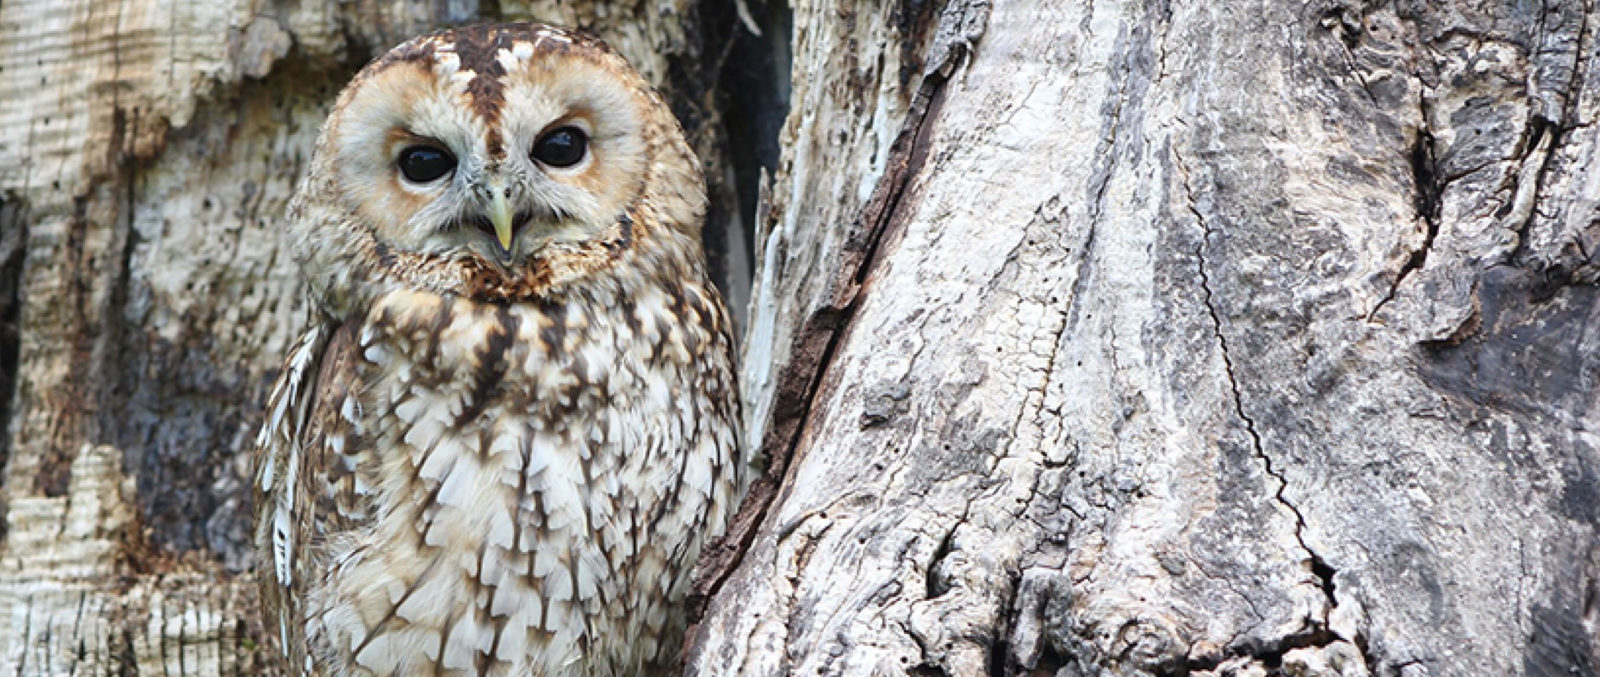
[513,421]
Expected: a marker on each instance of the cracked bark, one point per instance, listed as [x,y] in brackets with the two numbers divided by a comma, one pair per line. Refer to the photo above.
[1234,338]
[1111,338]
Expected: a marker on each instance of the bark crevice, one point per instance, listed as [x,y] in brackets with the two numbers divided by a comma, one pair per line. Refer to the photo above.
[1536,148]
[1317,633]
[13,254]
[818,339]
[1426,202]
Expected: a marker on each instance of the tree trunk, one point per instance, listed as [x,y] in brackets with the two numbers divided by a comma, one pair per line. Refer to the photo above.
[1084,338]
[1149,338]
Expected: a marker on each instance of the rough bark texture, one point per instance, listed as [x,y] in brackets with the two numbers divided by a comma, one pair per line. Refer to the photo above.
[1164,338]
[1098,338]
[150,147]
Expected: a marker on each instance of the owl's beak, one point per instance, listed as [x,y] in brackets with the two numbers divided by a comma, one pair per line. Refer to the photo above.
[501,216]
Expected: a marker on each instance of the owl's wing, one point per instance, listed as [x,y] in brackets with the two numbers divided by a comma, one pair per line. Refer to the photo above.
[297,453]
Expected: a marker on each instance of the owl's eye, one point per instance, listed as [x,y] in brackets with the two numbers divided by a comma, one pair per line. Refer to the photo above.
[422,164]
[562,147]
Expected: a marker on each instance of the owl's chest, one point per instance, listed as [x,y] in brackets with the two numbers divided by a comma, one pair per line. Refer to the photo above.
[461,399]
[547,469]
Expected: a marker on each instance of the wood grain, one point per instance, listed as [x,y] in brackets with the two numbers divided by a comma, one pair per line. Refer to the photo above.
[1209,339]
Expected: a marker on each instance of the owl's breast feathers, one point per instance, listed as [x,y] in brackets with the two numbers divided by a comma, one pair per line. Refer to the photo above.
[501,481]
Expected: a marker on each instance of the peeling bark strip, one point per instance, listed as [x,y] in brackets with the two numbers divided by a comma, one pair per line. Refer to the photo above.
[960,26]
[1236,338]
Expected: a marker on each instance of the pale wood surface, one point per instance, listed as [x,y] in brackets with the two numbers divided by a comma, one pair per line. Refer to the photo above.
[1208,338]
[1099,338]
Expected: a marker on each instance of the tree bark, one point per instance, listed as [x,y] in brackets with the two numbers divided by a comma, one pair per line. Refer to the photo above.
[1165,338]
[1106,338]
[150,149]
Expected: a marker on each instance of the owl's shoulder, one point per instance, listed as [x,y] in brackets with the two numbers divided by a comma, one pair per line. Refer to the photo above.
[305,418]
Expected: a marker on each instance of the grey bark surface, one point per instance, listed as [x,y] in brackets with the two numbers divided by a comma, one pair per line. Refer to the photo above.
[1108,338]
[1165,338]
[150,148]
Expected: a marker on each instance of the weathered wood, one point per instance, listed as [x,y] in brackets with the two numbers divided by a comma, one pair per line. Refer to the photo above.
[1106,338]
[1204,338]
[150,148]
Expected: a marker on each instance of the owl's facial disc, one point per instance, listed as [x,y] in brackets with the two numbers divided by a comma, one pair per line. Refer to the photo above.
[507,146]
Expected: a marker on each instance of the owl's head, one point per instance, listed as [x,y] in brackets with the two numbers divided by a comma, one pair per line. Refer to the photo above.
[505,151]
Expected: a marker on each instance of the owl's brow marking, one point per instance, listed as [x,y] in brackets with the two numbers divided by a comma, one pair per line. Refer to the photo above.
[415,50]
[478,49]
